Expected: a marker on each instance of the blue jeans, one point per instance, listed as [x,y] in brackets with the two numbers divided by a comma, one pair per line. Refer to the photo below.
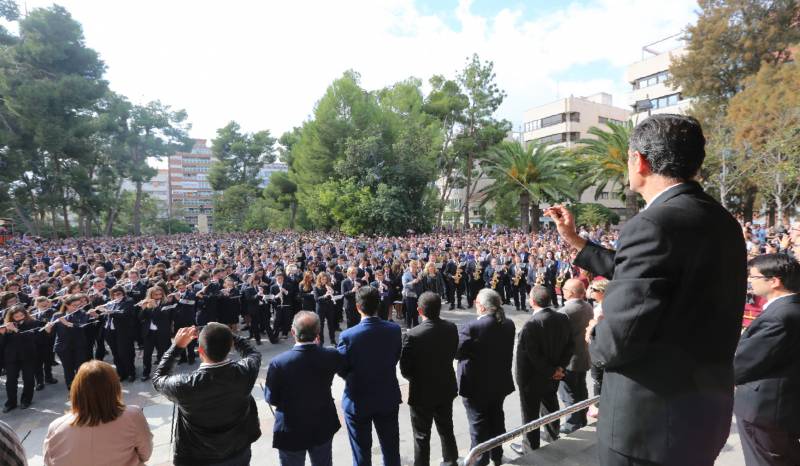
[359,429]
[321,455]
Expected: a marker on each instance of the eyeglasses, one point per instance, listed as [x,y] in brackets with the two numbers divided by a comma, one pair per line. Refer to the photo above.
[760,277]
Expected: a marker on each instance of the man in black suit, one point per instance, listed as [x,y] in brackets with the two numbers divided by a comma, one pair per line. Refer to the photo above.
[572,388]
[120,334]
[673,309]
[485,351]
[767,369]
[544,349]
[427,362]
[299,386]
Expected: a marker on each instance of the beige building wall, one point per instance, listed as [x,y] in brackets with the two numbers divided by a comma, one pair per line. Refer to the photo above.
[649,80]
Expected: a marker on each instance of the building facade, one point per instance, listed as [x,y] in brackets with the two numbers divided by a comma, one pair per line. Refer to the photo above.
[564,122]
[190,194]
[268,169]
[157,189]
[651,91]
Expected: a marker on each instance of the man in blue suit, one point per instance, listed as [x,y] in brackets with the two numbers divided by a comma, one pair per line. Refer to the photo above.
[372,394]
[299,386]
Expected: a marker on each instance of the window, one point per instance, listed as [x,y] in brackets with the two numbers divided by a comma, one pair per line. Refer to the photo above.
[651,80]
[553,138]
[553,120]
[605,120]
[666,101]
[575,116]
[574,136]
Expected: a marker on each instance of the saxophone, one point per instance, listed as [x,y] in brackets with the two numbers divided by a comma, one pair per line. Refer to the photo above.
[494,280]
[517,276]
[478,273]
[457,276]
[539,278]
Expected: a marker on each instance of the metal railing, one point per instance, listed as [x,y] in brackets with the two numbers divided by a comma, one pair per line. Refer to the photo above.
[481,448]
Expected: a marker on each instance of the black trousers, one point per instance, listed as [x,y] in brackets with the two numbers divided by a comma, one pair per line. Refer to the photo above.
[609,457]
[486,420]
[410,309]
[351,317]
[283,319]
[535,404]
[421,420]
[768,446]
[13,370]
[597,376]
[520,296]
[571,390]
[474,288]
[123,351]
[329,315]
[152,342]
[44,364]
[71,359]
[96,346]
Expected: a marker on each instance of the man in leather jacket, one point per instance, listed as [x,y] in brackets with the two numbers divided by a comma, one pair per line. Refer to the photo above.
[217,417]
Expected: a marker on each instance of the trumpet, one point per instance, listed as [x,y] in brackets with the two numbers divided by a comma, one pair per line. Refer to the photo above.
[495,279]
[457,276]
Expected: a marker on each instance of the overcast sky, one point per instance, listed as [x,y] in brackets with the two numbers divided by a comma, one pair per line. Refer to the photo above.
[265,63]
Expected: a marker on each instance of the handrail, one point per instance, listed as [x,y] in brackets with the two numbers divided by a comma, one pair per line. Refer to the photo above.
[481,448]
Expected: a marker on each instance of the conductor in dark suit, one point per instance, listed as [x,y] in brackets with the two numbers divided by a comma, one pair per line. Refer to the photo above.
[767,369]
[673,308]
[485,352]
[371,393]
[299,386]
[427,362]
[544,349]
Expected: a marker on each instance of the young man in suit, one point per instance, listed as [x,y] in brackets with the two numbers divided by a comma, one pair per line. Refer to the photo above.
[767,369]
[573,388]
[427,362]
[485,351]
[669,333]
[371,394]
[544,349]
[299,386]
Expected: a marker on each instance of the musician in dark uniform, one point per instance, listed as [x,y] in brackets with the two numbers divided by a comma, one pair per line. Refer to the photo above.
[350,285]
[519,282]
[155,317]
[337,277]
[119,334]
[18,340]
[98,295]
[474,277]
[229,306]
[281,303]
[384,287]
[251,307]
[207,295]
[184,315]
[323,295]
[70,344]
[45,358]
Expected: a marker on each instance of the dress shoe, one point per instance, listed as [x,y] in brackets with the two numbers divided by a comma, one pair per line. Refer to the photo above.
[39,387]
[517,448]
[145,378]
[132,378]
[452,306]
[25,405]
[567,430]
[8,408]
[258,342]
[51,381]
[460,306]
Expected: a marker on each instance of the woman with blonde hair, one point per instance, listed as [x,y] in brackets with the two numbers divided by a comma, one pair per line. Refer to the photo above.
[325,307]
[98,429]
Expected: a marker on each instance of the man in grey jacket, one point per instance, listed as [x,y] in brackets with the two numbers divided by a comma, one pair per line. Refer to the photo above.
[572,388]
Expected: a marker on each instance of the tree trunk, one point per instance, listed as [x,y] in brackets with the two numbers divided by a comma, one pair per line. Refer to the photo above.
[631,203]
[29,225]
[771,215]
[292,214]
[467,189]
[524,208]
[53,217]
[749,201]
[112,213]
[137,208]
[65,214]
[536,212]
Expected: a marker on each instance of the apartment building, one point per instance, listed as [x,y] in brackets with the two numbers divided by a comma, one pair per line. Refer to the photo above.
[268,169]
[190,193]
[649,78]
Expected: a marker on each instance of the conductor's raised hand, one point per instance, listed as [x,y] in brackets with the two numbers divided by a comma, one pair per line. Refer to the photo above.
[565,224]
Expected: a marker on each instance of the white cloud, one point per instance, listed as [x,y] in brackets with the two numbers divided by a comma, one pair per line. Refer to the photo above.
[265,63]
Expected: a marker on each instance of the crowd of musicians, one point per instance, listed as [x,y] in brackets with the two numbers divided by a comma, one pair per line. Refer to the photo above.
[73,300]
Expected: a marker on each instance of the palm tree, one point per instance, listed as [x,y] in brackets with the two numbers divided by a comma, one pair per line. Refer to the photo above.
[606,162]
[537,173]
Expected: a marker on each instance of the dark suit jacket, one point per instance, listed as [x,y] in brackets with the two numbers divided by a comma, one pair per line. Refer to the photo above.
[673,314]
[299,386]
[427,362]
[485,351]
[372,349]
[545,343]
[579,313]
[767,368]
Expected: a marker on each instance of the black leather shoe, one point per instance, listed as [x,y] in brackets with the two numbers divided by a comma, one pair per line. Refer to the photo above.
[39,387]
[8,408]
[51,381]
[25,405]
[132,378]
[517,448]
[145,378]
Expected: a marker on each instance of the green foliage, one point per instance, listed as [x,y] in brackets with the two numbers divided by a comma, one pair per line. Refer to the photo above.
[536,174]
[239,156]
[231,207]
[505,211]
[594,214]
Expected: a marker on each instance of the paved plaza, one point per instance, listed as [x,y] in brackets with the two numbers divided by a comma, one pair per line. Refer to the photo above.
[577,449]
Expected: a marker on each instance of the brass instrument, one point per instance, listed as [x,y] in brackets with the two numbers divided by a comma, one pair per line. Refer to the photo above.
[517,276]
[495,279]
[560,280]
[457,276]
[478,273]
[539,278]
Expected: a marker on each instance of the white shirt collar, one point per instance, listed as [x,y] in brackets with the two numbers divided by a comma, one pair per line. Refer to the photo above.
[660,194]
[482,316]
[305,343]
[775,299]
